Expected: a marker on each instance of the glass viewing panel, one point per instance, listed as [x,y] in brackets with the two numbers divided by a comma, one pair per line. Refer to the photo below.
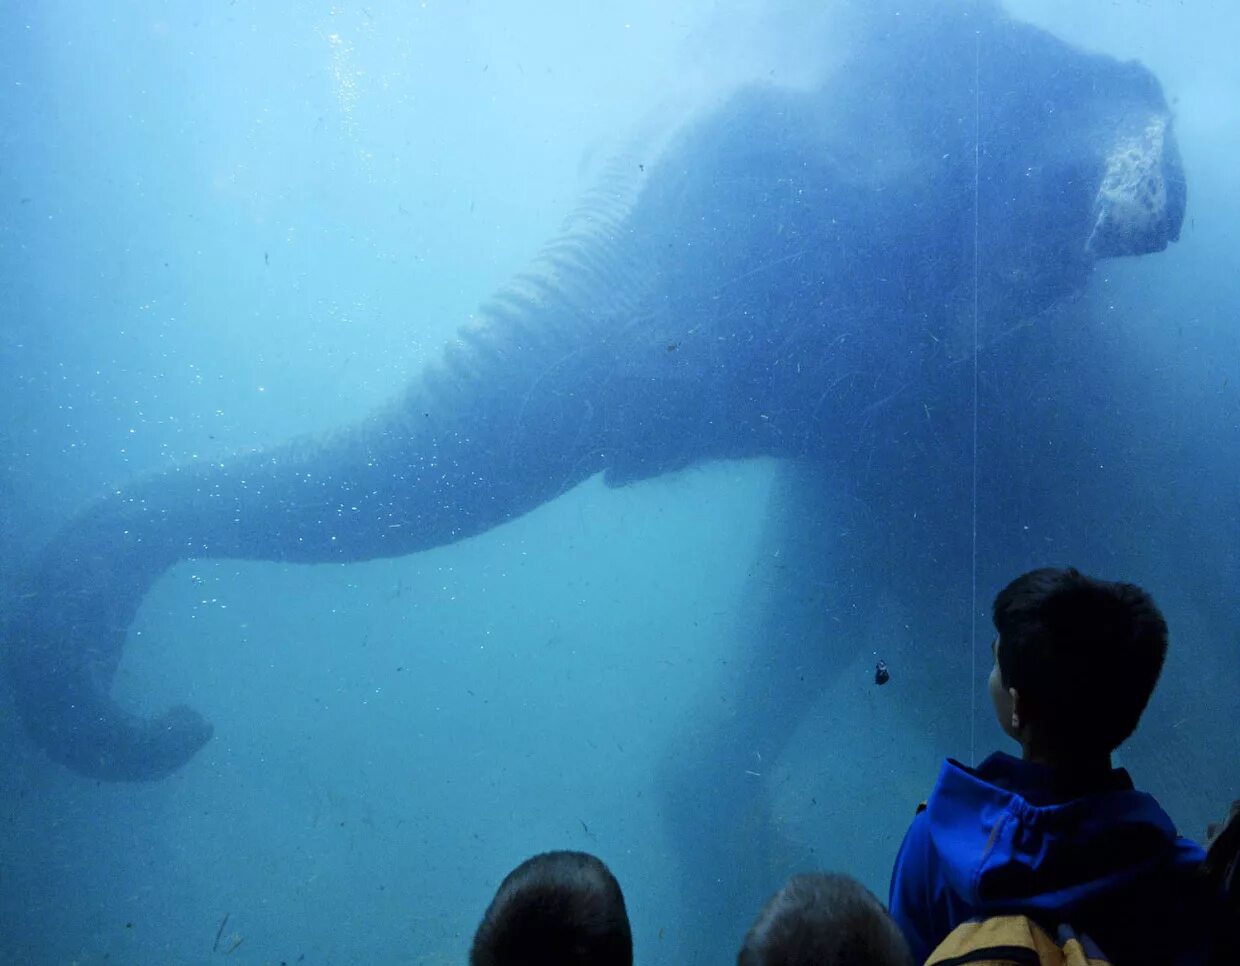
[437,434]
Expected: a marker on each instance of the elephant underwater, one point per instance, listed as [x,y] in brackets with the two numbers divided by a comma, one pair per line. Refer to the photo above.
[782,272]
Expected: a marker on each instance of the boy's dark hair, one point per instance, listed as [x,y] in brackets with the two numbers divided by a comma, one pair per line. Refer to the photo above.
[555,909]
[824,920]
[1084,653]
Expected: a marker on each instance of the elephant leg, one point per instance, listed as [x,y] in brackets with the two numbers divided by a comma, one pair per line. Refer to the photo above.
[715,781]
[806,761]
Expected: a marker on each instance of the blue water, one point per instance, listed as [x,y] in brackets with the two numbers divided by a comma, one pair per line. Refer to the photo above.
[221,227]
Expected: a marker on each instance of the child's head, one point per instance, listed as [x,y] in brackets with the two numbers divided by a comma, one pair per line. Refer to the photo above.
[824,920]
[1076,661]
[555,909]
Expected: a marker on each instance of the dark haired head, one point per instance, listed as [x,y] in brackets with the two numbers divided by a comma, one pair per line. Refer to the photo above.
[1083,654]
[824,920]
[555,909]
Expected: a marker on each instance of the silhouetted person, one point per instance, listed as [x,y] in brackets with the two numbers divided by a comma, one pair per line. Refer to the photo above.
[1058,835]
[1222,875]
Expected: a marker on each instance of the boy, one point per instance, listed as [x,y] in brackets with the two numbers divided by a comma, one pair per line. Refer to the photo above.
[555,909]
[823,920]
[1058,834]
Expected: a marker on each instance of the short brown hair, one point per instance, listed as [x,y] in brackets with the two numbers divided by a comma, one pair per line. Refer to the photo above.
[824,919]
[555,909]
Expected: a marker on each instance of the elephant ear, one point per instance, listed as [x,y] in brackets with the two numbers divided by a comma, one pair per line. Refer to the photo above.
[660,412]
[656,437]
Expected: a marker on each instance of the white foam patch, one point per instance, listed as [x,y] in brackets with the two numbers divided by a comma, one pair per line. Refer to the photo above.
[1133,194]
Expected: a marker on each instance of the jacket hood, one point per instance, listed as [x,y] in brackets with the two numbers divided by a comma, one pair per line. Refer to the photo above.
[1013,838]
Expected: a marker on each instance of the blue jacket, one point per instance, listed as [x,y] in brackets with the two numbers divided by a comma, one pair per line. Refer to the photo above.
[1103,858]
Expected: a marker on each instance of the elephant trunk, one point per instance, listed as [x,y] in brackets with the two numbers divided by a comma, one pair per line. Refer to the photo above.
[508,420]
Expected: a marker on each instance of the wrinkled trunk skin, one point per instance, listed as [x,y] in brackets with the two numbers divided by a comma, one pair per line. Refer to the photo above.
[472,445]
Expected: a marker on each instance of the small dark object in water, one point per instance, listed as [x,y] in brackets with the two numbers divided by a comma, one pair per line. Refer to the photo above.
[881,674]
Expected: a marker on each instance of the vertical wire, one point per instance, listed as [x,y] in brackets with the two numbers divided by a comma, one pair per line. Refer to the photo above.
[977,102]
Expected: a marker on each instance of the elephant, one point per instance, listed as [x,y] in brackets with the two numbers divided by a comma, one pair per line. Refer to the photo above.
[777,278]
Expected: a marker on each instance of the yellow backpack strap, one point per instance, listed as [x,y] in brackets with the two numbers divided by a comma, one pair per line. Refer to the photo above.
[1008,941]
